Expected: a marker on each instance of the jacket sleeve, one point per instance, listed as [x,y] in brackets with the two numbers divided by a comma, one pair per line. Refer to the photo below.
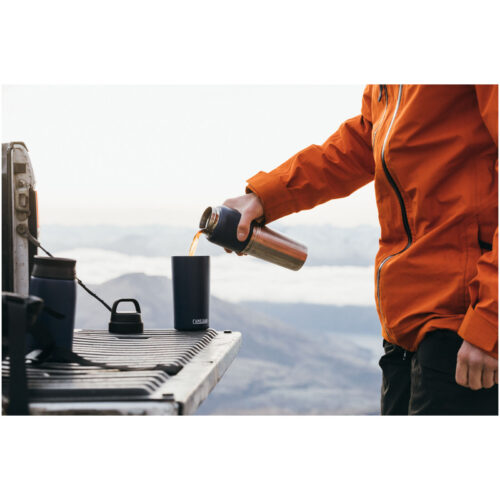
[480,325]
[317,174]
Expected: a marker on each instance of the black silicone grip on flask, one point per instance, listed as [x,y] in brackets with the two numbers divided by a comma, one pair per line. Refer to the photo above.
[224,233]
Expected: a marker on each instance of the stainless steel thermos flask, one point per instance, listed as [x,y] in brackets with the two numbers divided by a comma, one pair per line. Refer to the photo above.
[220,224]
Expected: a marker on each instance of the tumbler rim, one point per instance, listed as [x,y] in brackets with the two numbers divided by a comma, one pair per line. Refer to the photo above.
[190,257]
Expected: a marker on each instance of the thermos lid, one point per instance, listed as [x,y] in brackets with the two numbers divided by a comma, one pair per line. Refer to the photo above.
[54,268]
[127,321]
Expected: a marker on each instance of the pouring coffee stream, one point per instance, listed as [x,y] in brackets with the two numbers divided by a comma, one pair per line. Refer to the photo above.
[194,243]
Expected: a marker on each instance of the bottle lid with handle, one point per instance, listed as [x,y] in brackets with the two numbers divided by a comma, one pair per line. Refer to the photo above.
[126,321]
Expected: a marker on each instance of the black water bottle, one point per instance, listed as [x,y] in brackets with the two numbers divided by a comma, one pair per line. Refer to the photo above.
[53,280]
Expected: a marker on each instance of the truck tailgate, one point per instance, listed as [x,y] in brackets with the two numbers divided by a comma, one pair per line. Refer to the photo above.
[172,373]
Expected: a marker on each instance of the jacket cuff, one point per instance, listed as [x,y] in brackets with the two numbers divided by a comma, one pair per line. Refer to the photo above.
[478,331]
[273,194]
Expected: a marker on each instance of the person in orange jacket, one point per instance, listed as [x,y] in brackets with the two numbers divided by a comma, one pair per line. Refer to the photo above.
[432,151]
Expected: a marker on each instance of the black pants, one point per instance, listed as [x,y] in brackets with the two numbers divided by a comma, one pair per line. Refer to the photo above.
[423,382]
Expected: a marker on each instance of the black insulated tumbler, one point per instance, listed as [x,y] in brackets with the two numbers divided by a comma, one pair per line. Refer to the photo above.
[191,292]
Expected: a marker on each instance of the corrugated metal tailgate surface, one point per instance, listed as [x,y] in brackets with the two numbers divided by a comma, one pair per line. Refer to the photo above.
[154,356]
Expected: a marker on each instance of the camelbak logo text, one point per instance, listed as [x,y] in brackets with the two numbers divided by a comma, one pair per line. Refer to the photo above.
[201,321]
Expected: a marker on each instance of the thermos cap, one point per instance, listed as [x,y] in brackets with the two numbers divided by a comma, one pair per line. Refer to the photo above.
[128,321]
[54,268]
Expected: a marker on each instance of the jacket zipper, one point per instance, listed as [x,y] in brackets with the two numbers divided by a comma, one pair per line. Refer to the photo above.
[383,90]
[401,204]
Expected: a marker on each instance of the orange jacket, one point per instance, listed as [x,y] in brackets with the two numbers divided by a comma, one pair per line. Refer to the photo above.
[433,153]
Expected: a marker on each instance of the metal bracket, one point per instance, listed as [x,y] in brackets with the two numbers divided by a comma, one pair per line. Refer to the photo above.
[22,199]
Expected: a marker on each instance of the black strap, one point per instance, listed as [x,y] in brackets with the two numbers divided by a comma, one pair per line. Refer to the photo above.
[18,385]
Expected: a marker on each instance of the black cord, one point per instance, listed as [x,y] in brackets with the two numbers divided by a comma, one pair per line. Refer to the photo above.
[36,242]
[90,292]
[79,281]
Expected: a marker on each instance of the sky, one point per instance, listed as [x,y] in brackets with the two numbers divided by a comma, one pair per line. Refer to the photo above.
[136,155]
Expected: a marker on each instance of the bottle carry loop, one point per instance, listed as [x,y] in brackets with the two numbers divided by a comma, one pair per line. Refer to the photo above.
[126,322]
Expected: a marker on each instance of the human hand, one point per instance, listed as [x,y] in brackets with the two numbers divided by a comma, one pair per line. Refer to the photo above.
[250,208]
[475,368]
